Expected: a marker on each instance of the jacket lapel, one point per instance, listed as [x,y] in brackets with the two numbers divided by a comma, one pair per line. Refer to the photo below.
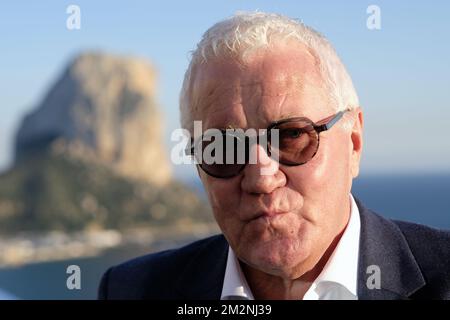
[383,245]
[202,277]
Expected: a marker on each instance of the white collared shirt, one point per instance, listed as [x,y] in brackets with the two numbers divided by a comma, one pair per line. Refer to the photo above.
[337,281]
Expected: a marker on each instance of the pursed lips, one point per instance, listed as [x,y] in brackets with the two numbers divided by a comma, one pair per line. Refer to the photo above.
[266,214]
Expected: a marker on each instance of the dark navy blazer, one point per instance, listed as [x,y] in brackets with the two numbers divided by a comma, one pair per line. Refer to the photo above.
[414,263]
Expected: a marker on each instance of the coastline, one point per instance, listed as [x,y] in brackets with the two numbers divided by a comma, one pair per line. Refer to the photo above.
[27,248]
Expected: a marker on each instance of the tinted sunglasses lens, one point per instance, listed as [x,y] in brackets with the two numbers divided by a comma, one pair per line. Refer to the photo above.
[297,142]
[223,158]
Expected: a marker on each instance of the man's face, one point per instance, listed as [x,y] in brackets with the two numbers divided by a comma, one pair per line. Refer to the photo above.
[283,222]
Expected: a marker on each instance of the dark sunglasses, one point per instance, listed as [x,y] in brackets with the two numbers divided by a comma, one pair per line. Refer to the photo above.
[298,142]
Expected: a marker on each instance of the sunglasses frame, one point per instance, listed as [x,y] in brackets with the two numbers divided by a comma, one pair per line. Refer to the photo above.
[320,126]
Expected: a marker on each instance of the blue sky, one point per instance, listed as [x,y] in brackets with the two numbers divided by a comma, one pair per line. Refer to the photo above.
[401,72]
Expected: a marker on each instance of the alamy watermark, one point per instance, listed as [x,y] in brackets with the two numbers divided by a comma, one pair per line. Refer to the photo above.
[73,21]
[373,21]
[73,281]
[374,278]
[209,146]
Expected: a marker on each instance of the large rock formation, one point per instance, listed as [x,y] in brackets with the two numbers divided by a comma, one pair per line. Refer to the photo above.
[91,156]
[102,109]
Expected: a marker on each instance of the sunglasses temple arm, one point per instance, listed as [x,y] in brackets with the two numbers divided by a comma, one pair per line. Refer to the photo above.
[331,123]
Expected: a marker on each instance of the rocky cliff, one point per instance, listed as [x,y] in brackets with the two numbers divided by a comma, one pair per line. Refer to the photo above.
[91,157]
[102,109]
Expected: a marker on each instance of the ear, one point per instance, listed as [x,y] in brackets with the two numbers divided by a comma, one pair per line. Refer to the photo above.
[356,142]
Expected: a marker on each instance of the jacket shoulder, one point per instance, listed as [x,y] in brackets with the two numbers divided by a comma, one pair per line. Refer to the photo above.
[431,249]
[434,242]
[150,276]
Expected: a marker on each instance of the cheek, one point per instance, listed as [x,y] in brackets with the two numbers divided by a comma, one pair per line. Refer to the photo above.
[223,195]
[225,199]
[324,177]
[311,177]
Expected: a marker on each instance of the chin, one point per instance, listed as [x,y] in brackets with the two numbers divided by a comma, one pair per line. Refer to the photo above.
[278,256]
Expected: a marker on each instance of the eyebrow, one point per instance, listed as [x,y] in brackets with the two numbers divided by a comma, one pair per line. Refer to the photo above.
[227,126]
[284,117]
[287,117]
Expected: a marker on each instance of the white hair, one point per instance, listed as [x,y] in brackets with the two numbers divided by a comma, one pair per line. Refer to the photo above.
[246,32]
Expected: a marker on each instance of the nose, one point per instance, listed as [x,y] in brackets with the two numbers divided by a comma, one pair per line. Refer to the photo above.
[261,174]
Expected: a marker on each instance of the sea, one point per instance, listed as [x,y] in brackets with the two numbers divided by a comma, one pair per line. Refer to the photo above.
[419,198]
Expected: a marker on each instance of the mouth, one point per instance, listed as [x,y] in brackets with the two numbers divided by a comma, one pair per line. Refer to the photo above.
[267,214]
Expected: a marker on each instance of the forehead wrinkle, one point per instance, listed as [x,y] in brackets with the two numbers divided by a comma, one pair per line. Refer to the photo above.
[205,101]
[296,86]
[240,96]
[275,110]
[282,85]
[215,92]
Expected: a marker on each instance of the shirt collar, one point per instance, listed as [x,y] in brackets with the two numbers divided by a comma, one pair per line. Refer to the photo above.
[341,270]
[339,274]
[235,285]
